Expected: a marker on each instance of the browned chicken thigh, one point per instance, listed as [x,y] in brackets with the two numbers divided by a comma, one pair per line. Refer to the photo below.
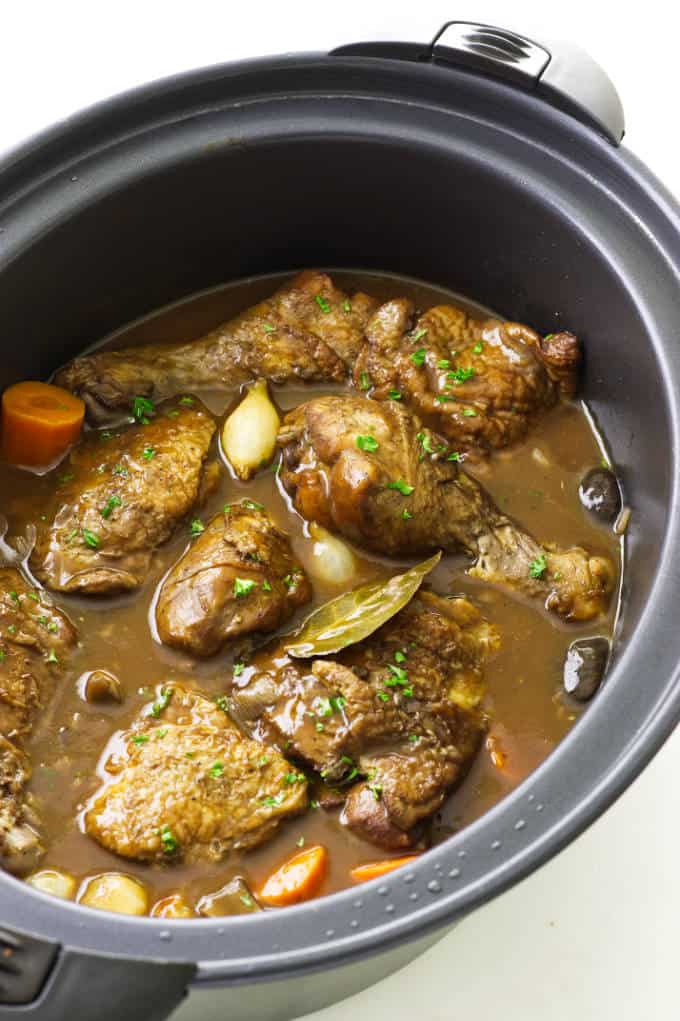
[188,786]
[397,716]
[371,471]
[238,577]
[479,383]
[35,641]
[308,330]
[120,496]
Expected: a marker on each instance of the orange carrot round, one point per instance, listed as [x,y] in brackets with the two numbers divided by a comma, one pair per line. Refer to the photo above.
[299,879]
[375,869]
[39,422]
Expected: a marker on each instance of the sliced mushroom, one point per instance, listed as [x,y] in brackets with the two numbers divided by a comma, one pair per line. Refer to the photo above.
[584,667]
[100,686]
[233,899]
[600,494]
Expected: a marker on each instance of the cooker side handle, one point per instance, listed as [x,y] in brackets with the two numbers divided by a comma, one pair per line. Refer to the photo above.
[40,981]
[558,72]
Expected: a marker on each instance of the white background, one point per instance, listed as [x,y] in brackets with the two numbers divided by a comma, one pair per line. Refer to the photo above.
[595,934]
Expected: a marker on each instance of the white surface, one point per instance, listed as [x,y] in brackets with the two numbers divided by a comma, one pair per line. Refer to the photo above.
[594,934]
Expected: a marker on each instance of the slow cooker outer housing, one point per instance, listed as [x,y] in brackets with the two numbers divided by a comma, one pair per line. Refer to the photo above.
[415,168]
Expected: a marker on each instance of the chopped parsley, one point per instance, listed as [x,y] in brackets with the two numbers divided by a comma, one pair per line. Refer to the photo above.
[376,790]
[460,375]
[383,696]
[222,702]
[238,669]
[394,395]
[148,453]
[418,357]
[110,505]
[314,804]
[268,328]
[140,738]
[319,726]
[289,580]
[246,899]
[168,840]
[347,305]
[266,587]
[338,703]
[216,770]
[252,505]
[52,658]
[66,477]
[263,761]
[368,443]
[478,348]
[406,514]
[455,456]
[120,470]
[364,381]
[12,629]
[243,587]
[399,656]
[273,800]
[197,526]
[401,487]
[294,778]
[425,443]
[90,539]
[3,655]
[322,303]
[142,407]
[414,738]
[538,567]
[549,336]
[469,413]
[418,335]
[106,435]
[162,703]
[399,676]
[13,595]
[187,402]
[443,363]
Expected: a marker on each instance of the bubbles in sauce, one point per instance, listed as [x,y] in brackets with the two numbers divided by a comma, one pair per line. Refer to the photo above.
[536,482]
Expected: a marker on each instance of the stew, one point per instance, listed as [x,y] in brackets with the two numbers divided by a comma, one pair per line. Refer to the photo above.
[305,596]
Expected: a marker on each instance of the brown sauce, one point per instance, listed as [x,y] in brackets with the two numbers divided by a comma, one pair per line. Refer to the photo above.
[537,483]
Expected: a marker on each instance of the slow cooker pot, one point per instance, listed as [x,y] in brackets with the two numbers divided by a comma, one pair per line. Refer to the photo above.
[485,163]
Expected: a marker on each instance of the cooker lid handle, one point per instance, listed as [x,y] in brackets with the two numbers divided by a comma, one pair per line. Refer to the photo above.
[560,71]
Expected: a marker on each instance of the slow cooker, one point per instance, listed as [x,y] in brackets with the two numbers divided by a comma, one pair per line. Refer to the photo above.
[481,161]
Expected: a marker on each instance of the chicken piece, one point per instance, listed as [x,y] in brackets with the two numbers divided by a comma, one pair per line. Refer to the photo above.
[400,493]
[308,330]
[35,641]
[238,577]
[121,495]
[480,384]
[186,785]
[399,713]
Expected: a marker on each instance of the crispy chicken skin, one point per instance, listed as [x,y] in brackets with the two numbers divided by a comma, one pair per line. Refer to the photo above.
[308,330]
[481,384]
[35,641]
[187,786]
[120,496]
[238,577]
[407,497]
[400,713]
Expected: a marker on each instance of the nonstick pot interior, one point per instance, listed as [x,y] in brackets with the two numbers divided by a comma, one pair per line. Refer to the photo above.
[425,171]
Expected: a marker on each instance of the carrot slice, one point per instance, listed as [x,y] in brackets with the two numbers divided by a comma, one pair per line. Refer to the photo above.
[375,869]
[39,422]
[299,879]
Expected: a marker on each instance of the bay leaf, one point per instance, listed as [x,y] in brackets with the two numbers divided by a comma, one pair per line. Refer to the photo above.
[354,615]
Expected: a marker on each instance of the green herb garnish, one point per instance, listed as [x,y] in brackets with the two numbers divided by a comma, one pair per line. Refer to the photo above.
[162,703]
[364,381]
[187,402]
[142,407]
[243,587]
[216,770]
[90,539]
[394,395]
[168,840]
[418,335]
[197,526]
[253,505]
[418,357]
[401,487]
[538,567]
[110,505]
[406,514]
[478,348]
[367,443]
[322,303]
[461,375]
[148,453]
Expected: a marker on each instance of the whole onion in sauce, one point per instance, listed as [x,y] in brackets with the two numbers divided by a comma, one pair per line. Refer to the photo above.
[584,667]
[600,494]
